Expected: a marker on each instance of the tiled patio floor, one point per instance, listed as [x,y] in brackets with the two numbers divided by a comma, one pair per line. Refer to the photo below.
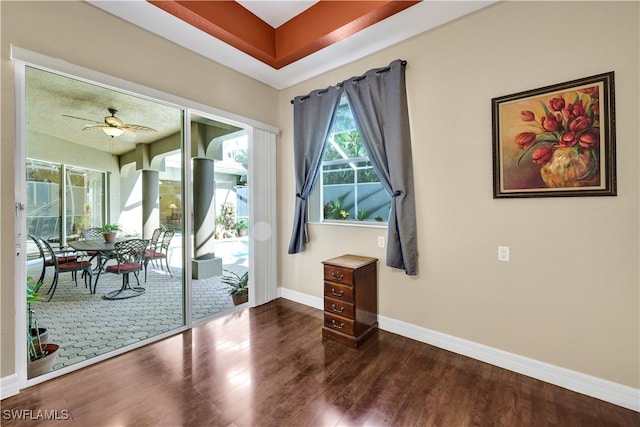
[86,325]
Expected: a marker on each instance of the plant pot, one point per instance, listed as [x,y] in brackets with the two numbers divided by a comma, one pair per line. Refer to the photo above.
[242,232]
[110,236]
[240,299]
[44,364]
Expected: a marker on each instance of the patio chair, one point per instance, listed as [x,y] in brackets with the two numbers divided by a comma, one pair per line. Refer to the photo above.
[130,256]
[63,257]
[95,234]
[159,253]
[91,234]
[67,267]
[155,238]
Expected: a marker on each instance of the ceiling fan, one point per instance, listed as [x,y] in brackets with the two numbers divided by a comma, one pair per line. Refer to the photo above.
[113,126]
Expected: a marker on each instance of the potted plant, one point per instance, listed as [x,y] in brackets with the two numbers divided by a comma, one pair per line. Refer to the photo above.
[242,226]
[42,357]
[33,297]
[226,223]
[219,226]
[239,286]
[109,232]
[42,354]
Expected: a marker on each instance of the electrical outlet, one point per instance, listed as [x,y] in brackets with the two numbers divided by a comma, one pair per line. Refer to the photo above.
[381,241]
[503,253]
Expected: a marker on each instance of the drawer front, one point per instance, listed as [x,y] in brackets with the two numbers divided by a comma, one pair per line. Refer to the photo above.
[339,292]
[339,323]
[341,308]
[338,274]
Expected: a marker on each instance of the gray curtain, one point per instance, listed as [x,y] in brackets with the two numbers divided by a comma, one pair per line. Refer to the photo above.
[313,117]
[379,104]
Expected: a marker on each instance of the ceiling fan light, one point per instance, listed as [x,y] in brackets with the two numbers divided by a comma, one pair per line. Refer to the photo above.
[111,131]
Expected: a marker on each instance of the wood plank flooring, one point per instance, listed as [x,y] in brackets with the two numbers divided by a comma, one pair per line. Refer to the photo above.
[269,366]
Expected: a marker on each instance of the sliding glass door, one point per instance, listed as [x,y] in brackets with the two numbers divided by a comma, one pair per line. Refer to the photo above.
[59,220]
[96,155]
[84,200]
[220,264]
[43,198]
[175,175]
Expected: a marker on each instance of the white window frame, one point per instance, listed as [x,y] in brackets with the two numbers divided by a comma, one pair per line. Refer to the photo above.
[316,198]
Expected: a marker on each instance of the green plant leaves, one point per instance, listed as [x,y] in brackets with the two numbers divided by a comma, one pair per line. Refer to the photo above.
[238,283]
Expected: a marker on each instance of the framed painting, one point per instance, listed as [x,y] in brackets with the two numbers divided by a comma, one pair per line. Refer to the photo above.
[557,140]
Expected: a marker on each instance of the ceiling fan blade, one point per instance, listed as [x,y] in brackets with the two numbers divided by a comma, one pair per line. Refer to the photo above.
[96,127]
[138,128]
[127,132]
[82,118]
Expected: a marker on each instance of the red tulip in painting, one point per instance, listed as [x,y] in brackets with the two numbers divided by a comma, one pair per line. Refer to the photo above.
[564,138]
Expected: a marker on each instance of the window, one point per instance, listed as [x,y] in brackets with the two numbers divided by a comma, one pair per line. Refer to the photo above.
[348,188]
[81,208]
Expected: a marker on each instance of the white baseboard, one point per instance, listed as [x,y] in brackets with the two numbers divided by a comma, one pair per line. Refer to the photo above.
[9,386]
[608,391]
[305,299]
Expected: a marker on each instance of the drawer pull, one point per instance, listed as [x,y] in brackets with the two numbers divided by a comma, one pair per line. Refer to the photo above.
[335,325]
[334,308]
[336,277]
[338,294]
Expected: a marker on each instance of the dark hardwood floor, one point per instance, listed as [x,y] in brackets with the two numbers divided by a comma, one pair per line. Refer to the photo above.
[269,366]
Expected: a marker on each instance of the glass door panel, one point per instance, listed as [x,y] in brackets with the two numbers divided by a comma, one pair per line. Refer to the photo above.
[43,201]
[84,201]
[220,242]
[104,150]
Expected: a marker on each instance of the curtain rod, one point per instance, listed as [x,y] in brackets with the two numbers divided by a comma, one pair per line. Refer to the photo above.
[355,79]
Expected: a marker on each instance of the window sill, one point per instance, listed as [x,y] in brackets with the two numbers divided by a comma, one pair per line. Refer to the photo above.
[364,224]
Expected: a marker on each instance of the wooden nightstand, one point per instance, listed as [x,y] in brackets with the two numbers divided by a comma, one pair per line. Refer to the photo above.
[350,299]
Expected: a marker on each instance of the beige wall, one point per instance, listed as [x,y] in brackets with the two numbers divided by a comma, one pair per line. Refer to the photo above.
[81,34]
[570,294]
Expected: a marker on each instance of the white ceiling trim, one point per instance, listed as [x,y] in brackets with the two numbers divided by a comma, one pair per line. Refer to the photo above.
[278,14]
[401,26]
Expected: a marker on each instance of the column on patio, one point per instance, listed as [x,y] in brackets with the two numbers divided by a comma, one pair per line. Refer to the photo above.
[150,199]
[205,263]
[149,167]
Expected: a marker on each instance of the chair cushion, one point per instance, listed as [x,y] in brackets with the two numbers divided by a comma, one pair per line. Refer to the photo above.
[123,267]
[70,266]
[153,254]
[61,260]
